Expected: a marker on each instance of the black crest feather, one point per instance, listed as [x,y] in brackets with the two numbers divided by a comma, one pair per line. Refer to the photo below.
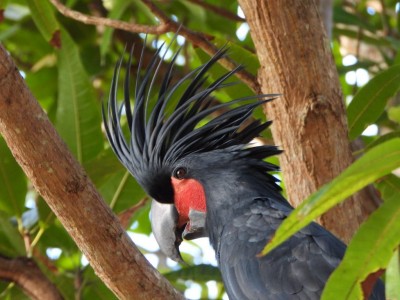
[157,138]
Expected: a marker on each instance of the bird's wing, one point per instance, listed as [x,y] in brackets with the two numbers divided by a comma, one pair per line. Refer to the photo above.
[298,269]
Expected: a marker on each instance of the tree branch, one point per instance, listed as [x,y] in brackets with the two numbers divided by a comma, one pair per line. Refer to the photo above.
[26,273]
[92,20]
[166,25]
[71,195]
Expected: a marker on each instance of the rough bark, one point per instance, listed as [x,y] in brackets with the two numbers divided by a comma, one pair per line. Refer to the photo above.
[309,118]
[26,273]
[71,195]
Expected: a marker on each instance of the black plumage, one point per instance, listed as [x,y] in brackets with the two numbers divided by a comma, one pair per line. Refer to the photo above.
[243,200]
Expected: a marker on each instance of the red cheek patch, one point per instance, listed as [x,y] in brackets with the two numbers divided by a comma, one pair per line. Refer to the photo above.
[188,194]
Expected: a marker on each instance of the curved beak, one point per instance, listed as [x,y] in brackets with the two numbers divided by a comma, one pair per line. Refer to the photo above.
[164,223]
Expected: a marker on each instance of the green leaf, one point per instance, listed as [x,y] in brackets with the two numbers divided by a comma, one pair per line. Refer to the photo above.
[342,70]
[199,273]
[392,277]
[78,114]
[116,12]
[55,236]
[383,138]
[121,191]
[368,39]
[141,216]
[43,16]
[198,15]
[394,114]
[376,163]
[200,18]
[47,97]
[46,215]
[3,4]
[11,242]
[370,101]
[13,186]
[240,55]
[103,166]
[94,288]
[10,291]
[10,32]
[389,187]
[370,250]
[342,16]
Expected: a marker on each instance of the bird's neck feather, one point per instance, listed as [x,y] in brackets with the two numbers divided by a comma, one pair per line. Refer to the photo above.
[231,195]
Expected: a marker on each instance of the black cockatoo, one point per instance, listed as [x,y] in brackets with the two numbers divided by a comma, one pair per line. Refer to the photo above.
[211,181]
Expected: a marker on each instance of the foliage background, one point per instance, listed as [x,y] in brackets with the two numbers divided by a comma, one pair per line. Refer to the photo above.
[70,76]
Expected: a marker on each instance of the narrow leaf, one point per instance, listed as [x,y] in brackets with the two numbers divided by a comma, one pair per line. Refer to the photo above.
[121,191]
[3,5]
[340,15]
[383,138]
[394,114]
[240,55]
[11,242]
[199,273]
[119,7]
[370,101]
[376,163]
[44,18]
[13,186]
[392,277]
[368,39]
[103,166]
[78,114]
[369,251]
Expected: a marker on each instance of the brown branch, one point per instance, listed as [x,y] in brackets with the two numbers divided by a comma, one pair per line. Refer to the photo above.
[45,261]
[92,20]
[25,273]
[78,284]
[62,182]
[166,25]
[127,214]
[219,10]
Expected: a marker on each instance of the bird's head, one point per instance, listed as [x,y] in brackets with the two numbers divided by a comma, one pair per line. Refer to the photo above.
[165,142]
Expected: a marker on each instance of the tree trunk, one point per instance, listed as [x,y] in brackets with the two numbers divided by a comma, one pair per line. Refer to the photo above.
[71,195]
[310,122]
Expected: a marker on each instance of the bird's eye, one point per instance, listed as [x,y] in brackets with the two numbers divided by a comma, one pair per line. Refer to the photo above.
[180,173]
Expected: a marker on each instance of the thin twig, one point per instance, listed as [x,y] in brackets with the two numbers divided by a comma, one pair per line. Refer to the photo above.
[126,215]
[219,10]
[166,24]
[385,19]
[92,20]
